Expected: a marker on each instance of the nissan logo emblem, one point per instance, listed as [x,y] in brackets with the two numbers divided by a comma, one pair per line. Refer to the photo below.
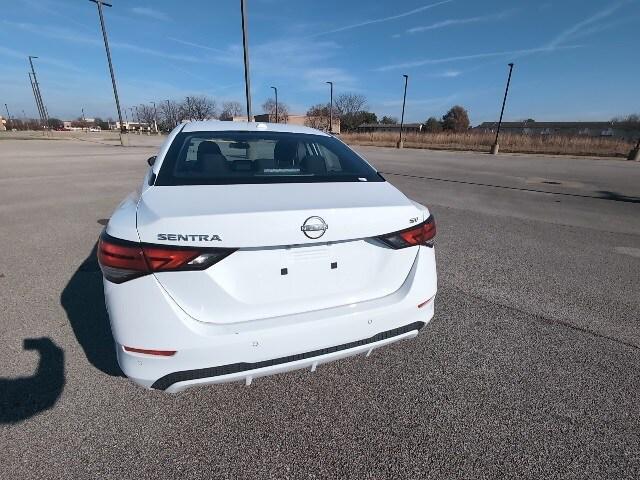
[314,227]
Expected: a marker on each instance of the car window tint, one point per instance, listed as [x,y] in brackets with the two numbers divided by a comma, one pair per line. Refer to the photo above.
[202,158]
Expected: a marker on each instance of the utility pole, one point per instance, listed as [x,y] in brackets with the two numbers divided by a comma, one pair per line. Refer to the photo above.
[35,96]
[45,114]
[8,114]
[276,90]
[496,146]
[245,44]
[404,101]
[100,3]
[330,107]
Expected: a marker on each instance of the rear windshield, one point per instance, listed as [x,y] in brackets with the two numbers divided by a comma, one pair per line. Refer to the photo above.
[214,158]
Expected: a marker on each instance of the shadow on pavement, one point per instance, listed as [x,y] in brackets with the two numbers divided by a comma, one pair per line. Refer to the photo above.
[618,197]
[22,398]
[83,300]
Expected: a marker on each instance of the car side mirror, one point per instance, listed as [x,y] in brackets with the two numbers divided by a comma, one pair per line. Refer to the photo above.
[151,160]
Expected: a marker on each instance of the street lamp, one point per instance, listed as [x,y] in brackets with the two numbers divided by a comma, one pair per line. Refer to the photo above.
[276,90]
[330,107]
[245,45]
[100,3]
[404,101]
[496,146]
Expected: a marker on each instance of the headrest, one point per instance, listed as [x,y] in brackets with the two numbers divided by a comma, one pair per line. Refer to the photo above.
[208,148]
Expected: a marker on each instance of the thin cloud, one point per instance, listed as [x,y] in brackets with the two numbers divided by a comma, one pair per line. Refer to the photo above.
[384,19]
[195,45]
[151,13]
[79,38]
[10,52]
[571,32]
[460,21]
[438,61]
[446,74]
[436,101]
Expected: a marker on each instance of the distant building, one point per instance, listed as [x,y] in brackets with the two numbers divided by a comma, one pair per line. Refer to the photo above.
[131,126]
[3,124]
[586,129]
[389,127]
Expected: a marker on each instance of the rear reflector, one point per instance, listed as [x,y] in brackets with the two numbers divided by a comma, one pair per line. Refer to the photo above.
[423,234]
[158,353]
[122,260]
[426,302]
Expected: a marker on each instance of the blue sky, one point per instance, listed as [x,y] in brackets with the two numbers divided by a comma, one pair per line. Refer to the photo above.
[575,59]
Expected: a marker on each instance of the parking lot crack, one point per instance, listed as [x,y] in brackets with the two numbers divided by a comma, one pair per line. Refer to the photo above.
[545,319]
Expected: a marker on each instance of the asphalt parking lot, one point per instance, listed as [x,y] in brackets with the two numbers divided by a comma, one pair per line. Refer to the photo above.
[530,368]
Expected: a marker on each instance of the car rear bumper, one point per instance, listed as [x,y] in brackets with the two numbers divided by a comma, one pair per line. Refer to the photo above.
[143,315]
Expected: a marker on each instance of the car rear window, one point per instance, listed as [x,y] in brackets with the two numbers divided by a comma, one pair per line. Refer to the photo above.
[215,158]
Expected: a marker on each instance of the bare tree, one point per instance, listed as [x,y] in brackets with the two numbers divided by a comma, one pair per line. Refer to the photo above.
[283,110]
[350,103]
[318,116]
[146,114]
[169,113]
[198,107]
[230,110]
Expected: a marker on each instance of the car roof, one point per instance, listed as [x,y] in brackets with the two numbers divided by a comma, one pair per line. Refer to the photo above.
[227,126]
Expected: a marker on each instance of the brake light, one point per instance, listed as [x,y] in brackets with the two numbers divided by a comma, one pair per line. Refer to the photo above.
[423,234]
[122,260]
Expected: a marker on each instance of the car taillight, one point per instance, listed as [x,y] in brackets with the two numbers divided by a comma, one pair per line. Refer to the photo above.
[423,234]
[122,260]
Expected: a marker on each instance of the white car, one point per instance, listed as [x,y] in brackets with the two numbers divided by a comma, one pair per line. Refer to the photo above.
[254,248]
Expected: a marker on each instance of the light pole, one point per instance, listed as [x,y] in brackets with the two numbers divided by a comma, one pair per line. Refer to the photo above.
[496,146]
[137,119]
[276,90]
[635,153]
[35,96]
[330,107]
[170,120]
[188,109]
[245,44]
[45,114]
[8,114]
[100,3]
[155,116]
[404,101]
